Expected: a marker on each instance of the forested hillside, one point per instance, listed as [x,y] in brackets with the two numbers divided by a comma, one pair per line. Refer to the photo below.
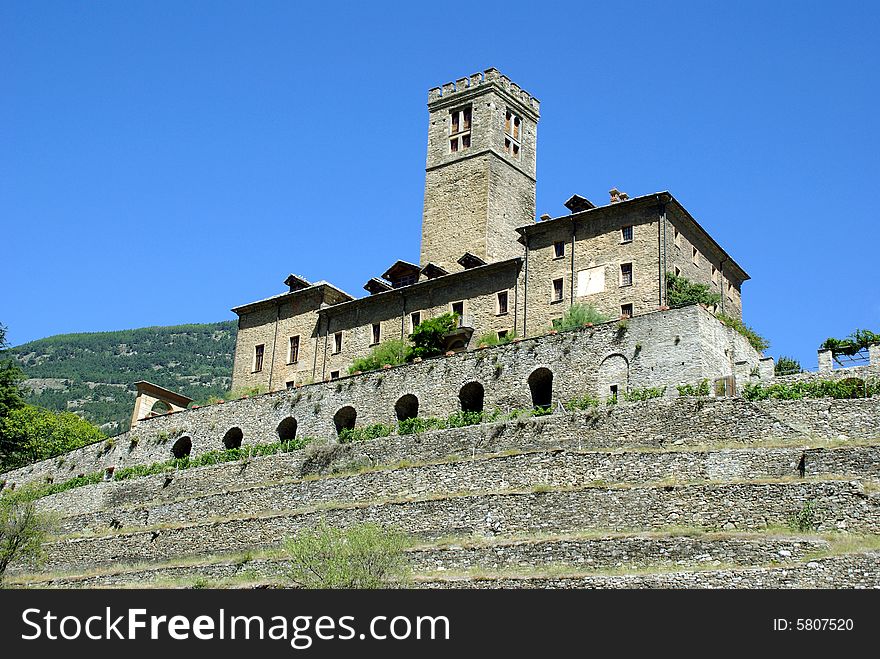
[93,374]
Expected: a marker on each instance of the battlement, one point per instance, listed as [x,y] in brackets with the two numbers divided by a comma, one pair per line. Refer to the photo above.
[488,77]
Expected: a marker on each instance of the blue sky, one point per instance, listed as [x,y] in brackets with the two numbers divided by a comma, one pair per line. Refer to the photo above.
[161,162]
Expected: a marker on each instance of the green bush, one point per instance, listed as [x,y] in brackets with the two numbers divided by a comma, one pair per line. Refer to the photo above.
[805,519]
[787,366]
[22,531]
[582,403]
[462,419]
[644,394]
[428,337]
[852,344]
[846,388]
[491,339]
[364,433]
[682,292]
[757,341]
[31,434]
[420,424]
[362,556]
[578,315]
[391,352]
[687,390]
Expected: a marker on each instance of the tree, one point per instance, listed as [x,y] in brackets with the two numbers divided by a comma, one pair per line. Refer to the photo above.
[363,556]
[10,378]
[681,292]
[32,433]
[22,531]
[428,336]
[787,366]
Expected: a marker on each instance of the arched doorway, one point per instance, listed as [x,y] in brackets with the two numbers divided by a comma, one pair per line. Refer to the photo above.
[471,397]
[344,418]
[613,376]
[233,437]
[541,386]
[182,447]
[406,407]
[287,429]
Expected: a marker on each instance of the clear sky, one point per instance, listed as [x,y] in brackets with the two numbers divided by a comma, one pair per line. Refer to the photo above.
[162,162]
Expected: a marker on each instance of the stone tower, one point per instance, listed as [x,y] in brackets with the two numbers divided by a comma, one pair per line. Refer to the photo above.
[480,172]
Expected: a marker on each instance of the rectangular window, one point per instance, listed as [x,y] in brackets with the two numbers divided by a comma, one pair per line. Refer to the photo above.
[626,311]
[293,351]
[377,333]
[414,320]
[558,249]
[258,357]
[458,307]
[677,271]
[460,129]
[557,290]
[334,375]
[626,274]
[502,302]
[626,234]
[696,257]
[502,334]
[337,342]
[676,237]
[714,275]
[512,134]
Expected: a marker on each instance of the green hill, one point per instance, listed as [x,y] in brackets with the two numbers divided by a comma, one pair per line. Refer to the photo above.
[93,374]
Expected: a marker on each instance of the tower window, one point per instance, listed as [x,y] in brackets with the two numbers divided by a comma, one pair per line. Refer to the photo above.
[512,134]
[502,303]
[337,342]
[626,274]
[293,353]
[557,291]
[414,320]
[626,234]
[258,357]
[377,333]
[460,129]
[558,249]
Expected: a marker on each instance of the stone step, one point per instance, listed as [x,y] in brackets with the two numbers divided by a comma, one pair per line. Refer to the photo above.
[131,507]
[832,504]
[631,552]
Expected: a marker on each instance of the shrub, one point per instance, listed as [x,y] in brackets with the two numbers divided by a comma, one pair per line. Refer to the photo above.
[682,292]
[22,530]
[373,431]
[644,394]
[757,341]
[491,339]
[461,419]
[391,352]
[363,556]
[852,344]
[428,337]
[846,388]
[582,403]
[578,315]
[419,424]
[787,366]
[805,519]
[687,390]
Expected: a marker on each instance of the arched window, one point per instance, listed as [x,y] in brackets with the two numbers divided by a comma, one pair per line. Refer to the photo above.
[344,418]
[287,429]
[233,437]
[471,397]
[541,386]
[160,407]
[182,447]
[407,407]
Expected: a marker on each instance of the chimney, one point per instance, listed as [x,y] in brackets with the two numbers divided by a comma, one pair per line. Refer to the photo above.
[617,195]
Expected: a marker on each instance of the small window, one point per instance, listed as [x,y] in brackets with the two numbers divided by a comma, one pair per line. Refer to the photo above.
[558,249]
[512,134]
[696,257]
[676,237]
[626,311]
[377,333]
[557,290]
[614,391]
[459,129]
[293,351]
[337,342]
[258,357]
[714,275]
[334,375]
[414,320]
[677,271]
[502,303]
[626,234]
[502,334]
[626,274]
[458,307]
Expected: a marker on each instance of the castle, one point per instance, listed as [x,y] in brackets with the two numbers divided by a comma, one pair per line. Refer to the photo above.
[484,256]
